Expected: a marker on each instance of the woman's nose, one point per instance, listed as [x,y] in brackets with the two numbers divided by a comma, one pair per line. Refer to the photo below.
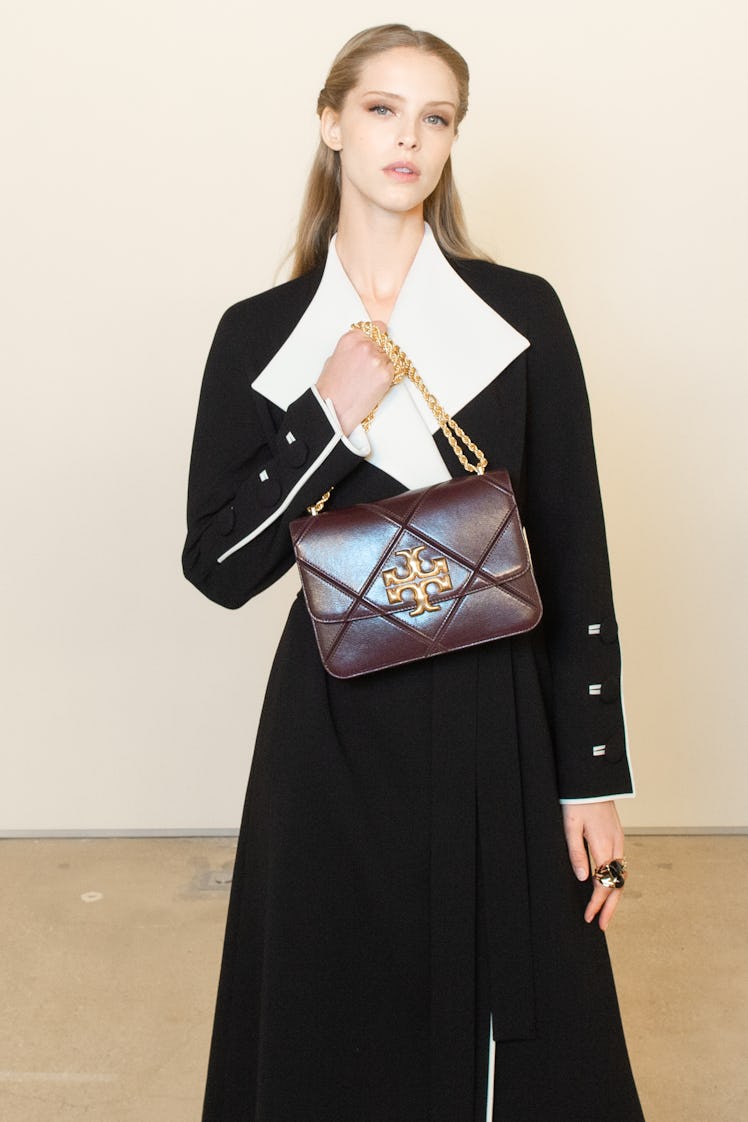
[408,139]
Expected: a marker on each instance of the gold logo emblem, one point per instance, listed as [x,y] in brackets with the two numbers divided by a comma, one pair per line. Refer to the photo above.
[417,580]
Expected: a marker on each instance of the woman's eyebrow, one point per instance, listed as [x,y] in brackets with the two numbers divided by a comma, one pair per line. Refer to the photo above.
[399,97]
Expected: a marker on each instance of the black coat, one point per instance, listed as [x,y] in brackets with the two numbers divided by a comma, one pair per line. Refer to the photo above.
[401,871]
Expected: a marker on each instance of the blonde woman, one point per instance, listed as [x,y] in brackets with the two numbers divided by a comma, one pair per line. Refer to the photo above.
[414,932]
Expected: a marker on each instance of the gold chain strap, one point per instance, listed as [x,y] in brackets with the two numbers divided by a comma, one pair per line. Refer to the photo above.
[318,506]
[404,368]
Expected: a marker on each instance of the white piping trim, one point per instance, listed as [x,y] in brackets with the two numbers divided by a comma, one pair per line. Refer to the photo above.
[491,1069]
[626,737]
[286,502]
[597,799]
[358,441]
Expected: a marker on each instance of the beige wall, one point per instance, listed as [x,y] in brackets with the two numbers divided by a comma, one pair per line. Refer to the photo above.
[154,164]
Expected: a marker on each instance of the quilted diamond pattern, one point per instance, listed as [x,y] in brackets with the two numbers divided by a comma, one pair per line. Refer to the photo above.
[468,528]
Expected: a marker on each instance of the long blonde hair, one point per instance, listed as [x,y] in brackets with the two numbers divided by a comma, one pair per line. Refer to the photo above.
[321,206]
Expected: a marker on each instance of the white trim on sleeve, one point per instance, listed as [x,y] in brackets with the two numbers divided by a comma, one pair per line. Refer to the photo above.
[491,1071]
[357,442]
[286,502]
[597,799]
[626,741]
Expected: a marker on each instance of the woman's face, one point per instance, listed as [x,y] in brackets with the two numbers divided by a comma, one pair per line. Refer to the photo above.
[395,130]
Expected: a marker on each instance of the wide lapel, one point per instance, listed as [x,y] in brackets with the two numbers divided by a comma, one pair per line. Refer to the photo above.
[456,341]
[330,313]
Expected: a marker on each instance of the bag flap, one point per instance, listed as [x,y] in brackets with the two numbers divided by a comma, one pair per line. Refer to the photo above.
[413,553]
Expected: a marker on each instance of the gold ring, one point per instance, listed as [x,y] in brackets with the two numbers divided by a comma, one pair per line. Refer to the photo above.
[612,874]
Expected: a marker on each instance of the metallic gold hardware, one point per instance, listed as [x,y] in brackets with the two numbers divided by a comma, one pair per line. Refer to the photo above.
[417,580]
[613,874]
[404,368]
[317,508]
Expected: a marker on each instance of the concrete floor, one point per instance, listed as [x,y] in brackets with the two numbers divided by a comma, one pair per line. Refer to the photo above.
[110,954]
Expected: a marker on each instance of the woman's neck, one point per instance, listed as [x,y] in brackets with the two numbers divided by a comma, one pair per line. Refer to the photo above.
[377,254]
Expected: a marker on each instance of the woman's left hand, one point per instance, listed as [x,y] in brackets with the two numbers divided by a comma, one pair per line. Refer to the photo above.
[599,826]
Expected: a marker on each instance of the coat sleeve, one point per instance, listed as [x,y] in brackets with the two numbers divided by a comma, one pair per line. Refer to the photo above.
[253,469]
[565,526]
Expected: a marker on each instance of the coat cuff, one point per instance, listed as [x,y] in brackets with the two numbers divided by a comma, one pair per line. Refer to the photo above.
[358,441]
[308,458]
[599,799]
[592,754]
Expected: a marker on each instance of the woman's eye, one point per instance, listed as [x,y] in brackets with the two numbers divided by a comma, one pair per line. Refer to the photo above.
[380,110]
[436,119]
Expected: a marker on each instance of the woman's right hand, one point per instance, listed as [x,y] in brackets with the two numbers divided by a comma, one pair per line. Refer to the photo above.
[355,377]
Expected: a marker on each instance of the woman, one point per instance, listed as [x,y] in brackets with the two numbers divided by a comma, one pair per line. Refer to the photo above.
[406,938]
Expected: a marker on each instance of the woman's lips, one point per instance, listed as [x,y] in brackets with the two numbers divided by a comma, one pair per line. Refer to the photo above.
[402,171]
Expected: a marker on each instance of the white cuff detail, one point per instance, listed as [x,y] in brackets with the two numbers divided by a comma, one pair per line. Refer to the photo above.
[357,442]
[598,799]
[326,451]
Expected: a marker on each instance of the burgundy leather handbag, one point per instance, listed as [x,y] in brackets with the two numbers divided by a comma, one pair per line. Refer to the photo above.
[422,573]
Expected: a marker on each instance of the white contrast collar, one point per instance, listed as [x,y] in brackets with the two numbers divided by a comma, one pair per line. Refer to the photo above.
[456,341]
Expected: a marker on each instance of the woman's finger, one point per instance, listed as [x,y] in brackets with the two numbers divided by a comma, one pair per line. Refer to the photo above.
[574,830]
[605,845]
[355,378]
[603,902]
[597,825]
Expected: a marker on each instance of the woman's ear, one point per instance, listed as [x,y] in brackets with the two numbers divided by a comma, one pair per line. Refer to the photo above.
[329,128]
